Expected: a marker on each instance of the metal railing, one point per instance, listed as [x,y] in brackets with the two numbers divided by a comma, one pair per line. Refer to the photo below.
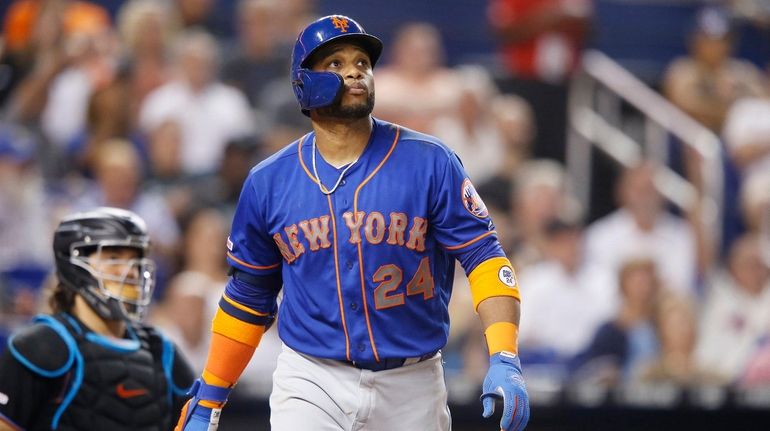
[597,97]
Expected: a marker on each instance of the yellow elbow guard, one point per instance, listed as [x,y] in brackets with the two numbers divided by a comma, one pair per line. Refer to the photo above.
[502,336]
[493,277]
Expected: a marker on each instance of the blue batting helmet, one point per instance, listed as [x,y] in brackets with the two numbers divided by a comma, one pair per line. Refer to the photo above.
[319,89]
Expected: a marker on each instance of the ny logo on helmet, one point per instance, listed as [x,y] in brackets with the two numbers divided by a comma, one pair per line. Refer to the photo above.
[340,23]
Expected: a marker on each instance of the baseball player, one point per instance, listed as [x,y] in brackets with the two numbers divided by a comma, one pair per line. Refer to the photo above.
[92,365]
[359,222]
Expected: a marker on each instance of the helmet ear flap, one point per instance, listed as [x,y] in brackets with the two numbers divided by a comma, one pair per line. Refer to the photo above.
[316,89]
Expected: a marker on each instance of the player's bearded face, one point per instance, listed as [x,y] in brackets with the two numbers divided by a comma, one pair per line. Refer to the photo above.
[355,100]
[349,109]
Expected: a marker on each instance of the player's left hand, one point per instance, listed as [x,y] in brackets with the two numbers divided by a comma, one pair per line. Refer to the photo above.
[504,381]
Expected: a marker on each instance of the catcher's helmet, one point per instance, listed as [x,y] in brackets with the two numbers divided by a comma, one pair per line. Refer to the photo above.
[129,282]
[319,89]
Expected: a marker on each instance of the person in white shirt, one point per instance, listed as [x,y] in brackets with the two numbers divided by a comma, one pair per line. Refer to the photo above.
[747,135]
[567,296]
[736,313]
[642,228]
[471,130]
[208,112]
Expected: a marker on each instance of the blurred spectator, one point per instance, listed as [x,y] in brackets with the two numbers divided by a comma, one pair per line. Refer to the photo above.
[622,346]
[540,40]
[747,135]
[117,171]
[415,87]
[202,14]
[705,83]
[163,147]
[290,17]
[641,227]
[255,62]
[166,176]
[539,196]
[515,123]
[470,129]
[147,28]
[222,189]
[208,112]
[108,116]
[24,219]
[92,55]
[564,297]
[39,36]
[677,333]
[752,19]
[185,195]
[736,313]
[193,293]
[540,44]
[755,204]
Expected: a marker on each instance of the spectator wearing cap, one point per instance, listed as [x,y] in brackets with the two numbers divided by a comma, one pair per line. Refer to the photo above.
[706,82]
[565,296]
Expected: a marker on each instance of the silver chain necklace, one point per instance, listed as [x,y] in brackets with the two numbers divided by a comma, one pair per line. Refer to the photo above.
[339,180]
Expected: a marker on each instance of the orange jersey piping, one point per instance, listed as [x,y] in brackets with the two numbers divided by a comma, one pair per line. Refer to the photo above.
[248,265]
[360,254]
[337,274]
[456,247]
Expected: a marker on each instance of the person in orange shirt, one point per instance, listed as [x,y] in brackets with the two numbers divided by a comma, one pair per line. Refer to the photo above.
[540,43]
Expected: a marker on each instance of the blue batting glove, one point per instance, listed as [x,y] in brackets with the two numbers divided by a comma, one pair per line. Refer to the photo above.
[195,417]
[504,381]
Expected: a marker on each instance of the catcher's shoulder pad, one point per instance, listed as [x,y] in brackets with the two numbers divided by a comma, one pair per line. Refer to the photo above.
[45,347]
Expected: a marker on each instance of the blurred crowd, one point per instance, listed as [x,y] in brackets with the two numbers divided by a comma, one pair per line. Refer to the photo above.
[158,110]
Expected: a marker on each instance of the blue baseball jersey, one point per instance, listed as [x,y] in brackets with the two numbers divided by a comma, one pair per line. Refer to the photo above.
[367,270]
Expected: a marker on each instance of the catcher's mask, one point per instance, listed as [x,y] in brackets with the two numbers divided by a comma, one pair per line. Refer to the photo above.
[102,256]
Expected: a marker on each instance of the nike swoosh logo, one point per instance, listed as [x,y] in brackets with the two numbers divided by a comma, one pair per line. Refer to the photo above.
[129,393]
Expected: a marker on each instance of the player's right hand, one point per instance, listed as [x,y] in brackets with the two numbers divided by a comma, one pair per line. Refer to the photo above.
[201,412]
